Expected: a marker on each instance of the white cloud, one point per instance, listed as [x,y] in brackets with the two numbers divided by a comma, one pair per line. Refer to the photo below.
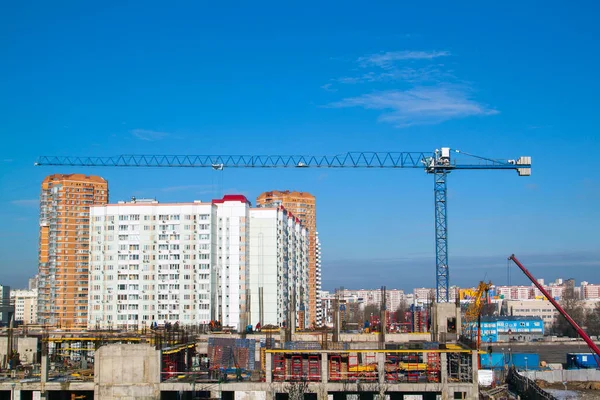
[148,135]
[328,87]
[431,73]
[419,105]
[26,202]
[387,59]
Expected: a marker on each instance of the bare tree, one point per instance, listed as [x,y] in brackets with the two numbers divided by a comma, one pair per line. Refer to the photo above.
[572,306]
[401,311]
[296,390]
[593,320]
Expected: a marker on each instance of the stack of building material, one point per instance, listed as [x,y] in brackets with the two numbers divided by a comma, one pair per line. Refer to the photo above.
[302,346]
[229,353]
[431,346]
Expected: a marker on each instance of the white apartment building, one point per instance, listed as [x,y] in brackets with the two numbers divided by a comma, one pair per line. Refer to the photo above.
[531,308]
[319,319]
[183,262]
[590,291]
[278,267]
[231,274]
[25,303]
[150,262]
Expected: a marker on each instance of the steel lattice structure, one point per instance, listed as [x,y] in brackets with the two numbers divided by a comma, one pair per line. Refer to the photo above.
[438,163]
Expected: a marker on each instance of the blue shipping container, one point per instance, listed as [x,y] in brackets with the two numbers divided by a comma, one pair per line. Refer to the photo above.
[582,360]
[492,361]
[523,361]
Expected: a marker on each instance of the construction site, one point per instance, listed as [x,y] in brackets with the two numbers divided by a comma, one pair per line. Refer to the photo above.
[188,362]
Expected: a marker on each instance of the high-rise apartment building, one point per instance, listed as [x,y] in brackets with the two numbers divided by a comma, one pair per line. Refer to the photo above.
[303,206]
[278,267]
[64,247]
[191,263]
[25,303]
[6,308]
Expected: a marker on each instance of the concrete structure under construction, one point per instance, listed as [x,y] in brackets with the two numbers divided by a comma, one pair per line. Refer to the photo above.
[64,249]
[143,376]
[302,205]
[445,322]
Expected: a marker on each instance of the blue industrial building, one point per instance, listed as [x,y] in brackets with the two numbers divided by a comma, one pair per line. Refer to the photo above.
[506,328]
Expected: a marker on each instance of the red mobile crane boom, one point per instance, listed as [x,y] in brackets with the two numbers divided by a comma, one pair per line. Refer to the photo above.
[574,324]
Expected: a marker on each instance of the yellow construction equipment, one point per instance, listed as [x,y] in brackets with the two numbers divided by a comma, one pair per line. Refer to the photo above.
[473,312]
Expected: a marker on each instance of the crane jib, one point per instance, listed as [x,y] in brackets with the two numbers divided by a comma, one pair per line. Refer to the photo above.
[438,163]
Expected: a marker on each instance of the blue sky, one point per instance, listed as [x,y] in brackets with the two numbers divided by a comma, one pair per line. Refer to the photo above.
[499,81]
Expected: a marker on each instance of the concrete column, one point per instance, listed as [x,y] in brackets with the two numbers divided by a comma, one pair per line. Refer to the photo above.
[15,394]
[444,375]
[269,395]
[475,368]
[381,369]
[322,392]
[44,372]
[269,367]
[44,368]
[325,369]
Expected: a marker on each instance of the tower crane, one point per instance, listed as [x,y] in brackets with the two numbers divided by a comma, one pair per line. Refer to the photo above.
[438,163]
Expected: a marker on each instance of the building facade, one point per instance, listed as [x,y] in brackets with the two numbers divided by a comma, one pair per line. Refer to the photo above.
[186,263]
[150,263]
[508,328]
[6,308]
[64,247]
[278,267]
[531,308]
[25,303]
[303,206]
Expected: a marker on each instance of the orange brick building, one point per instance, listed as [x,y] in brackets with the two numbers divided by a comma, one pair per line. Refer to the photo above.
[64,247]
[303,206]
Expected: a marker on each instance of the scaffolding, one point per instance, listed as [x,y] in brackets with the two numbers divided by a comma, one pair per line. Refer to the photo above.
[433,367]
[460,367]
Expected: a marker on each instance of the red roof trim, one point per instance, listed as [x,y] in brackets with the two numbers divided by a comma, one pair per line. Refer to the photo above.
[232,197]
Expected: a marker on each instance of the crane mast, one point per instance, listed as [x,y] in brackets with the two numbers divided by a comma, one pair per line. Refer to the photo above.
[438,163]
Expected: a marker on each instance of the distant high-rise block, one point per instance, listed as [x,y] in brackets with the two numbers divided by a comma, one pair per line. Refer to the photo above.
[25,303]
[303,206]
[64,247]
